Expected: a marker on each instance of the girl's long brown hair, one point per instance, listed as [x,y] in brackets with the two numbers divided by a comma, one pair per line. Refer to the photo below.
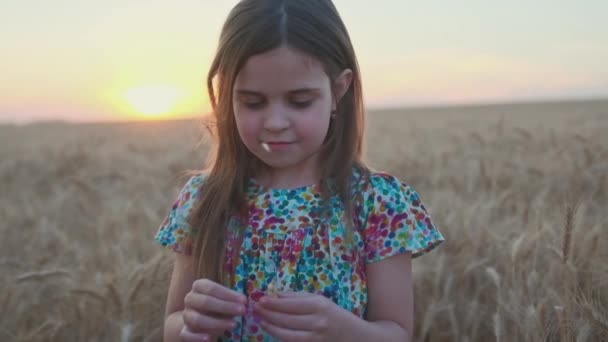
[313,27]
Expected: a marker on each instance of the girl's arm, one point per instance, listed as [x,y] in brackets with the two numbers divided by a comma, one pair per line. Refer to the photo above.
[390,307]
[182,278]
[181,283]
[174,323]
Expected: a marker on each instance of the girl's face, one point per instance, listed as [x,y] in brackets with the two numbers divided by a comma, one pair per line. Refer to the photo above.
[282,102]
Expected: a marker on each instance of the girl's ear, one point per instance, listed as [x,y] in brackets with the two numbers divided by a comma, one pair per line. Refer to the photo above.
[340,86]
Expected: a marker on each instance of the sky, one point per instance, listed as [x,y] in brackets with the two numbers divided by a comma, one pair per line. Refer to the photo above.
[80,60]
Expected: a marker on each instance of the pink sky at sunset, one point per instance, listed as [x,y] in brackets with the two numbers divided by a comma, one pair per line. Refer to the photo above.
[116,60]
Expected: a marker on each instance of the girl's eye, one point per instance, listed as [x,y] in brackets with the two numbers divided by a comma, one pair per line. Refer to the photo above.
[254,105]
[301,104]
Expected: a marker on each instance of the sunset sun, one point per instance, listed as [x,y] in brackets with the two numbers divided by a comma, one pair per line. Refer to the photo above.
[153,100]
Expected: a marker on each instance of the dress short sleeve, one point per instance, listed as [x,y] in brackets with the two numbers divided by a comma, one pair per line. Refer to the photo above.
[396,220]
[175,232]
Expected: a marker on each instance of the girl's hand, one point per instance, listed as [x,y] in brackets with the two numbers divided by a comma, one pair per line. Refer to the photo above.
[209,310]
[301,316]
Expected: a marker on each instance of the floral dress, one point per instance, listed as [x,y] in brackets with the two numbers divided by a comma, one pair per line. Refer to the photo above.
[289,241]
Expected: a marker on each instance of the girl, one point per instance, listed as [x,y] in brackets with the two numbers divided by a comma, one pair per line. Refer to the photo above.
[288,235]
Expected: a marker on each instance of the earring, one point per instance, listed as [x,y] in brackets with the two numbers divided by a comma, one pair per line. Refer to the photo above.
[333,114]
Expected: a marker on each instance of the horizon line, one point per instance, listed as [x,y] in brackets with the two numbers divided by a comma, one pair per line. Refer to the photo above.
[373,108]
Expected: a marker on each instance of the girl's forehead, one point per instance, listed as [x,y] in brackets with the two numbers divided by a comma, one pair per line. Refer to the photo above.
[281,70]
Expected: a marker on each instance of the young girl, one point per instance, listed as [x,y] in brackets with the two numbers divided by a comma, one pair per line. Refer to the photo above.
[288,235]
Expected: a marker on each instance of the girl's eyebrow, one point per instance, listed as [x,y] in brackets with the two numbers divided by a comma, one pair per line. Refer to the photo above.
[246,92]
[305,90]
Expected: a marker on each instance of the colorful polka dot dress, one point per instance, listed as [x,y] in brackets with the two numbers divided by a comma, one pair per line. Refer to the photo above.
[290,242]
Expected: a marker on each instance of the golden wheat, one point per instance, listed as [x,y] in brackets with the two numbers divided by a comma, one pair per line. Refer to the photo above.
[520,191]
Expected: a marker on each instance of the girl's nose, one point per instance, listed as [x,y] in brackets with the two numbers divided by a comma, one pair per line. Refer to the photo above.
[276,119]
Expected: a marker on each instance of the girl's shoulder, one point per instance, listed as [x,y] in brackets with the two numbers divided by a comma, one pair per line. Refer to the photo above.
[393,219]
[175,231]
[189,192]
[195,180]
[374,183]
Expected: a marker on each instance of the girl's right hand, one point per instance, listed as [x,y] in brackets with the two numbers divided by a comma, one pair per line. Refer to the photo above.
[209,310]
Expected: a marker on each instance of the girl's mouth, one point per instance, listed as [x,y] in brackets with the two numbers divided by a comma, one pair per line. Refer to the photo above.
[275,145]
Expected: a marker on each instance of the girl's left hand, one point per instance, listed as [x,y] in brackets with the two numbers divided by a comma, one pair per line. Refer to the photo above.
[301,316]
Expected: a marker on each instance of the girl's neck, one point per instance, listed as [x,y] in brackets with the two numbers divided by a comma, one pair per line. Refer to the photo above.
[289,178]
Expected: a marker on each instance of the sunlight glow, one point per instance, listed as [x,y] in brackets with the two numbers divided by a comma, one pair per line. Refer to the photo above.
[153,99]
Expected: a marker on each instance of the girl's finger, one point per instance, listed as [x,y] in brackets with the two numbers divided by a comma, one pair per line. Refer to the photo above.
[291,321]
[295,294]
[284,334]
[292,305]
[208,287]
[198,323]
[207,303]
[188,336]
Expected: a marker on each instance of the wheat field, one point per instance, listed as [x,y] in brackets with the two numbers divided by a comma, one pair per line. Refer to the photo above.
[520,191]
